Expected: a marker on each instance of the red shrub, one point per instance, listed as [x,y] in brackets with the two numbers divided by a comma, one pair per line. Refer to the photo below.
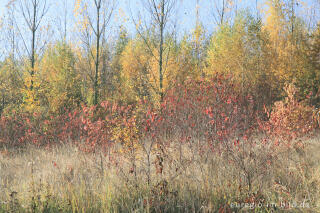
[209,110]
[289,119]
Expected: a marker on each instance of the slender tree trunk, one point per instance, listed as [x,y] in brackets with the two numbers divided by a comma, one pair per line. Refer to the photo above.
[33,43]
[65,22]
[96,85]
[198,41]
[222,13]
[161,51]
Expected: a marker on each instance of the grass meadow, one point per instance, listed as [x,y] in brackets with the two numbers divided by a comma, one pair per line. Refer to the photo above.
[244,179]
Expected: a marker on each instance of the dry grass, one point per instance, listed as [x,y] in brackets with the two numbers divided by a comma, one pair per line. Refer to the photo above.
[65,179]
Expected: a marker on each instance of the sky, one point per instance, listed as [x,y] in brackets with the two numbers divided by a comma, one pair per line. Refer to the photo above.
[184,18]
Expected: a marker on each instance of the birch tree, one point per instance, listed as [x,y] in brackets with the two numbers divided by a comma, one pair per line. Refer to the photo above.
[221,10]
[95,15]
[33,12]
[160,12]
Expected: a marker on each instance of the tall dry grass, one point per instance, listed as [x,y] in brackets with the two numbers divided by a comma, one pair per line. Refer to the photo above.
[184,177]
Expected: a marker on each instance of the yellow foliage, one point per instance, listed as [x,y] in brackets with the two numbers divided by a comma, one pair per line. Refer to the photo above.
[286,60]
[140,71]
[60,81]
[127,136]
[31,90]
[228,55]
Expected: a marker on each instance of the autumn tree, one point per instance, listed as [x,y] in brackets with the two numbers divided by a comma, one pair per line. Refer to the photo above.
[34,35]
[313,58]
[115,91]
[11,80]
[95,16]
[198,40]
[140,70]
[221,11]
[33,13]
[60,82]
[238,50]
[160,12]
[63,20]
[10,86]
[287,43]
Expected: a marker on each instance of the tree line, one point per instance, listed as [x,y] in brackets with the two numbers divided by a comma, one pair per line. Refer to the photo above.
[260,51]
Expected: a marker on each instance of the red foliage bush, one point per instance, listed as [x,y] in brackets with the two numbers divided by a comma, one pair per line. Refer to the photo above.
[289,119]
[209,110]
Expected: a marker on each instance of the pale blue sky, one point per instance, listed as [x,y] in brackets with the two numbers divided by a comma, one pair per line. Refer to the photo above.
[185,17]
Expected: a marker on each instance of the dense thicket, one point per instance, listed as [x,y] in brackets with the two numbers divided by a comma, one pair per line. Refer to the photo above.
[257,56]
